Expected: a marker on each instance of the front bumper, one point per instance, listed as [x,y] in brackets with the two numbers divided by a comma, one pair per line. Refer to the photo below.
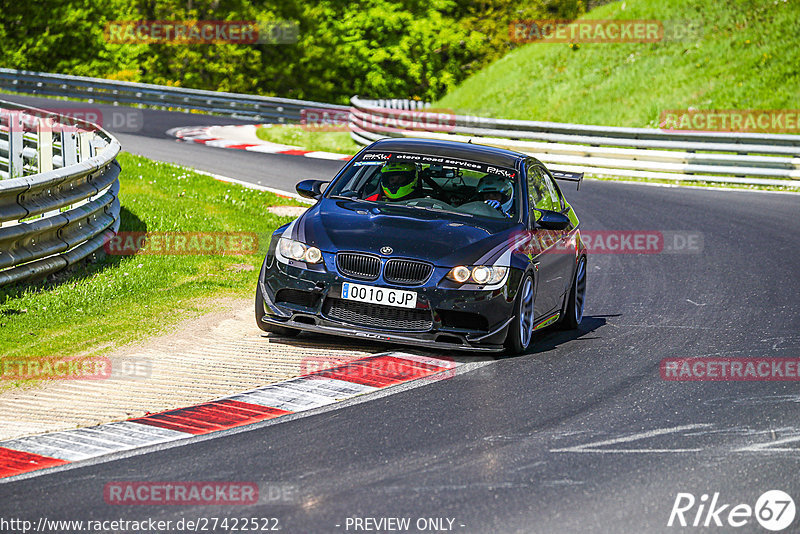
[459,319]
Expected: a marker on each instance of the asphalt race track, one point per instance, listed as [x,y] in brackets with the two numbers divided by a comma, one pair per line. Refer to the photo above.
[579,435]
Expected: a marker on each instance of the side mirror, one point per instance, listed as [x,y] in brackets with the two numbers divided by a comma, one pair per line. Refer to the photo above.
[551,220]
[310,188]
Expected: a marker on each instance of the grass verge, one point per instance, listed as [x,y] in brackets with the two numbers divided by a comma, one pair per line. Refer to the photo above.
[339,142]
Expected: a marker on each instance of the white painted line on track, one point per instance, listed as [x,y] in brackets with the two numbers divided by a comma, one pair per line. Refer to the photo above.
[772,446]
[593,446]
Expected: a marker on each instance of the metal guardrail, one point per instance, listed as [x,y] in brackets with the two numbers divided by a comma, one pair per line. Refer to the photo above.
[725,157]
[254,107]
[58,191]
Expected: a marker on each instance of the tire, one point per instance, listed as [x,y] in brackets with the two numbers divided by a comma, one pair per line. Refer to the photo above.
[520,331]
[576,300]
[266,327]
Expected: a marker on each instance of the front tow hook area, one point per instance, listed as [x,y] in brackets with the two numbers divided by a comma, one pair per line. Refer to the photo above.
[319,288]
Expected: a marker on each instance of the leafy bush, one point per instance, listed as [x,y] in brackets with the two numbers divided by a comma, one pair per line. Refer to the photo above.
[374,48]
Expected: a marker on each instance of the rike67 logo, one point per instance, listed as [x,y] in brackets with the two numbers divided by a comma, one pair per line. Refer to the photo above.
[774,510]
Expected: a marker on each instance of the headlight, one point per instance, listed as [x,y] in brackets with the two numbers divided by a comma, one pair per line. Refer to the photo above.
[498,273]
[459,274]
[295,250]
[313,255]
[479,274]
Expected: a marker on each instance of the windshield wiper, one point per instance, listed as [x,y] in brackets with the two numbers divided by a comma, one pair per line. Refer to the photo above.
[426,208]
[437,210]
[342,197]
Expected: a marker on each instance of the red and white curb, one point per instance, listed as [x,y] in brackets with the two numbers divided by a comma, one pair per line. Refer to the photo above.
[243,137]
[366,375]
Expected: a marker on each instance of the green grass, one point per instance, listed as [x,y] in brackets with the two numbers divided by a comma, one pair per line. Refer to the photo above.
[746,58]
[124,299]
[308,138]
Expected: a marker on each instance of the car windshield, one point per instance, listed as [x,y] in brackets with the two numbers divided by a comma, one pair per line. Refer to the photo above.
[431,182]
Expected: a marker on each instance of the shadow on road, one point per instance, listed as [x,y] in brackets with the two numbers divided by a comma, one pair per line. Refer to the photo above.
[547,339]
[551,337]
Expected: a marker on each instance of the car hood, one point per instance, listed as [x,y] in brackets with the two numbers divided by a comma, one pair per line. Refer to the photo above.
[441,238]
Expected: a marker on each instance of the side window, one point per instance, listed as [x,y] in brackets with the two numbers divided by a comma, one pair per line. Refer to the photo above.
[539,192]
[370,183]
[535,192]
[552,190]
[562,203]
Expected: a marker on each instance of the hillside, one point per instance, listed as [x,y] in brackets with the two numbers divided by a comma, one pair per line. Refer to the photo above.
[747,56]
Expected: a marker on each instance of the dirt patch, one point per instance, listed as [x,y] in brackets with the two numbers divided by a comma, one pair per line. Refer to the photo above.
[203,358]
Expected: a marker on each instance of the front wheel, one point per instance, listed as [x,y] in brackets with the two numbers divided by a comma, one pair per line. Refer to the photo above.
[267,327]
[520,331]
[573,314]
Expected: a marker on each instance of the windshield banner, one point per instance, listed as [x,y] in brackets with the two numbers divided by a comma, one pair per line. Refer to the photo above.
[428,159]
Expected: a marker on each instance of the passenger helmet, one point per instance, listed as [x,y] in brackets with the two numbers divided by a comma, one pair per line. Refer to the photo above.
[492,183]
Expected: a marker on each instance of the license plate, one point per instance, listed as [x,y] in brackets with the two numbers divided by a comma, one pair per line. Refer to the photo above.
[379,295]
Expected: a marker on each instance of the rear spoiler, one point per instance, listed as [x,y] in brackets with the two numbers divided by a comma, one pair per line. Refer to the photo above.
[568,177]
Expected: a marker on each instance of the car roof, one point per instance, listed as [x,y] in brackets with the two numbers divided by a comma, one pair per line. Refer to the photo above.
[453,149]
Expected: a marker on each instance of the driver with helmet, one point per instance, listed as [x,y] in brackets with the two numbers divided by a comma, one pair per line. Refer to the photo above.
[497,192]
[399,181]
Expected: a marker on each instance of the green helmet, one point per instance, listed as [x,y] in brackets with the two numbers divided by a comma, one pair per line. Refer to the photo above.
[398,180]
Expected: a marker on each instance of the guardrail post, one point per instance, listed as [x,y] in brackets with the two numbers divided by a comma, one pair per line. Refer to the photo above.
[44,144]
[83,142]
[15,145]
[69,148]
[92,146]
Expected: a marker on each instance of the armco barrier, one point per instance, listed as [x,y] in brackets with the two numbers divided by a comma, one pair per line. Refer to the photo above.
[726,157]
[58,191]
[260,108]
